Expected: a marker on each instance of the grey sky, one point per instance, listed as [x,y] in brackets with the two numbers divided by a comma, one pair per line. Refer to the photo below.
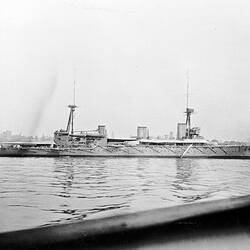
[131,59]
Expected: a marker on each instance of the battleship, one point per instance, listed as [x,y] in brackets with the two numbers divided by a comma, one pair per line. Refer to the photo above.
[96,143]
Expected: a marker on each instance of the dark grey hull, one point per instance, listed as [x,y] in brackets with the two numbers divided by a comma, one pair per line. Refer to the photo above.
[216,152]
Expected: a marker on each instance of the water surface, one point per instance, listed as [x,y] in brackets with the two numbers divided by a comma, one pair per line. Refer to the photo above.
[42,191]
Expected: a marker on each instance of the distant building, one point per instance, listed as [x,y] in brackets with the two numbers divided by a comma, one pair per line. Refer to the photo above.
[7,136]
[171,136]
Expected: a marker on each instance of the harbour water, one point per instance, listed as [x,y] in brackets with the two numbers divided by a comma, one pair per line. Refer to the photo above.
[43,191]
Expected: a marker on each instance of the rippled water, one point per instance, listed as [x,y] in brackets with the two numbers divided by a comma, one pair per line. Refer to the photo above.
[41,191]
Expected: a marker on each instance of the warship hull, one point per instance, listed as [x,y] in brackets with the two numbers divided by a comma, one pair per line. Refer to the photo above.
[224,152]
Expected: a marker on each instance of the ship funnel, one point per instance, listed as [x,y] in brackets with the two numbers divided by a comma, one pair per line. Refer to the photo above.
[102,130]
[181,131]
[142,132]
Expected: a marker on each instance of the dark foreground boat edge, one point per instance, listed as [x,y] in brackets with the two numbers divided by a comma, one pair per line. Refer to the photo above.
[220,224]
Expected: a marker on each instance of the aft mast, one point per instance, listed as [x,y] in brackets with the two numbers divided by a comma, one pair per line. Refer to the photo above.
[188,111]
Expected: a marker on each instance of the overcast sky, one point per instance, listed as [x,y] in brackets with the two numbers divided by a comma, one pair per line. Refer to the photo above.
[130,59]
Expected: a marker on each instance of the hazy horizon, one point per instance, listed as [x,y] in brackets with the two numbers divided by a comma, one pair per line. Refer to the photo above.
[130,60]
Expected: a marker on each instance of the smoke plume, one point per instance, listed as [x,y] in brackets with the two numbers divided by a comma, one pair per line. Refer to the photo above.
[42,104]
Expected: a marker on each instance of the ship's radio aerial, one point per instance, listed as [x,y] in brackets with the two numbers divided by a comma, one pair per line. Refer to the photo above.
[70,124]
[190,132]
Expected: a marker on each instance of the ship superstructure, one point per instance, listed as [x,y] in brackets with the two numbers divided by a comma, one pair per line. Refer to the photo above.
[70,138]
